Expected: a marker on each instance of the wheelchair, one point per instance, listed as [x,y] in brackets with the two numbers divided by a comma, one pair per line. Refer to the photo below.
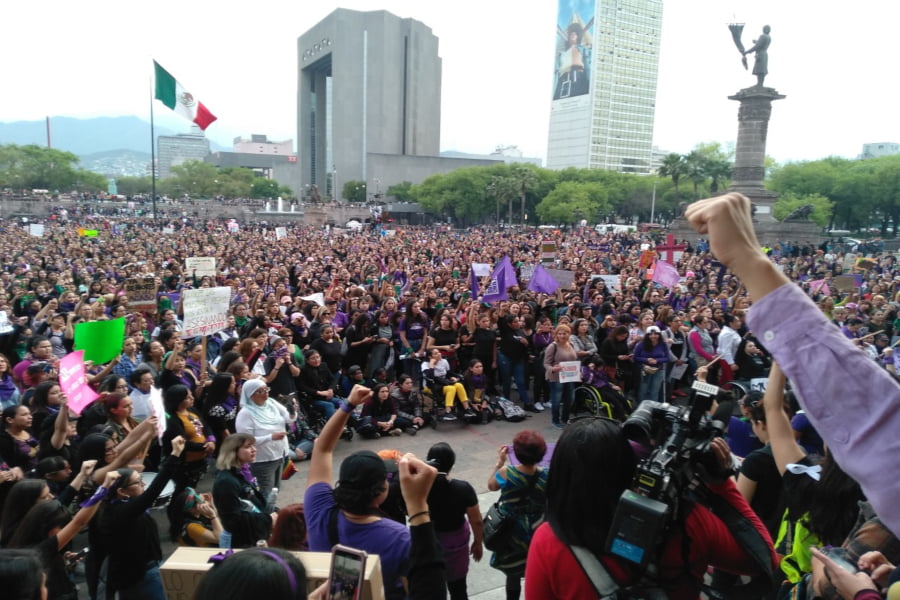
[612,405]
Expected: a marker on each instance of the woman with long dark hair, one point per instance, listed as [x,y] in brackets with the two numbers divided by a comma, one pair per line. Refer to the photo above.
[651,354]
[220,402]
[132,535]
[512,359]
[184,423]
[580,511]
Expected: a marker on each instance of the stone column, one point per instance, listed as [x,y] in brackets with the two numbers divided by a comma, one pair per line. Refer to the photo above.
[749,173]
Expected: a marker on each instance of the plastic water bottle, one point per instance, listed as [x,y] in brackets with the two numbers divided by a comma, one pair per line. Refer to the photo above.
[271,500]
[225,539]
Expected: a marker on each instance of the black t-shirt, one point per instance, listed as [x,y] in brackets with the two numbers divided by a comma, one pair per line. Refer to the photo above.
[484,344]
[759,466]
[448,501]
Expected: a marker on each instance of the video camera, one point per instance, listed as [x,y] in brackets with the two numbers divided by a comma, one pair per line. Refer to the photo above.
[680,439]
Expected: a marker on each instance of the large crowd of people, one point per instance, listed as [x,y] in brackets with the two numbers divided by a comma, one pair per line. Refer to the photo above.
[363,335]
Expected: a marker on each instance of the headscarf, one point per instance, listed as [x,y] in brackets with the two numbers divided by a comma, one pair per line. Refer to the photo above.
[267,416]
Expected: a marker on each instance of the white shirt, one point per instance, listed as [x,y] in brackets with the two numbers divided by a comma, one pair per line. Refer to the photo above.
[729,340]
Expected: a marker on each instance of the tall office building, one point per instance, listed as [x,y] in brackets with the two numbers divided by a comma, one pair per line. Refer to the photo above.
[369,99]
[604,84]
[172,150]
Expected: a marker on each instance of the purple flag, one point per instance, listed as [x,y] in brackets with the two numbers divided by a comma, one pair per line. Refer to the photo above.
[506,273]
[496,289]
[665,274]
[473,281]
[542,282]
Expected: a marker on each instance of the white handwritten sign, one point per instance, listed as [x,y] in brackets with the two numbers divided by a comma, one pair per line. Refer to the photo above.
[205,310]
[201,266]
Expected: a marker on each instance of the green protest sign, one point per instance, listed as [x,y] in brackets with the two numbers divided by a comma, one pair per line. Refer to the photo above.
[100,340]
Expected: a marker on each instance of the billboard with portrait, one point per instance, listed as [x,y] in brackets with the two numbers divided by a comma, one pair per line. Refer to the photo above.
[574,48]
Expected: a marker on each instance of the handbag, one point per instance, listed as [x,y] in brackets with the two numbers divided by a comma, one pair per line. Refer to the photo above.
[496,528]
[648,370]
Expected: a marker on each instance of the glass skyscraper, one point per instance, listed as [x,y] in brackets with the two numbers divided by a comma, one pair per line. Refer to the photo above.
[604,84]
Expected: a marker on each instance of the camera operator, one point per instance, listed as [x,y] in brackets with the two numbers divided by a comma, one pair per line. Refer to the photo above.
[581,511]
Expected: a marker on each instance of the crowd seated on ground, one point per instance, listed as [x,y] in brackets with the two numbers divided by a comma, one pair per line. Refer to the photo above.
[348,337]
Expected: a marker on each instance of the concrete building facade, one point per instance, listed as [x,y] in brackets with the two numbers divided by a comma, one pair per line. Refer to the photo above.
[260,144]
[369,86]
[172,150]
[604,85]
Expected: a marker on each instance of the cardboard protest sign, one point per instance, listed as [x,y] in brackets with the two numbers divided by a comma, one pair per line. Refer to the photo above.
[73,382]
[205,311]
[565,279]
[5,325]
[571,371]
[100,340]
[141,293]
[548,251]
[280,233]
[201,266]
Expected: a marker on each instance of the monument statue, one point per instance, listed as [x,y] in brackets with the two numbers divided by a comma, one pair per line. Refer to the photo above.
[760,50]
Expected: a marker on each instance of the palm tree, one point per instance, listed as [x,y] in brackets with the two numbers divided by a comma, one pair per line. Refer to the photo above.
[672,166]
[524,178]
[718,170]
[695,165]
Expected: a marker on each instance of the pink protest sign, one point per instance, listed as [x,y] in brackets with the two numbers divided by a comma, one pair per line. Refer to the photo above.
[73,382]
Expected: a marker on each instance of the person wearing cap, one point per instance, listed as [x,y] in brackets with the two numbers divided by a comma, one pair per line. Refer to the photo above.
[348,512]
[652,354]
[266,419]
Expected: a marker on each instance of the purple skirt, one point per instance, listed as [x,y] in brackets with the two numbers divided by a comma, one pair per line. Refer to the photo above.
[455,545]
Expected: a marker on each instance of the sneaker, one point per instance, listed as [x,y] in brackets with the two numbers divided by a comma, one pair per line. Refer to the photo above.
[395,431]
[532,408]
[538,406]
[412,430]
[469,414]
[347,434]
[448,417]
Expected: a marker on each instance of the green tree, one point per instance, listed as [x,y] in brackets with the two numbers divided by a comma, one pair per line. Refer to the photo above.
[264,188]
[571,201]
[401,191]
[195,178]
[354,191]
[130,186]
[788,203]
[673,167]
[36,167]
[234,182]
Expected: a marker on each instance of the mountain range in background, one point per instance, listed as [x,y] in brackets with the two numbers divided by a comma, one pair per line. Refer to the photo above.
[111,146]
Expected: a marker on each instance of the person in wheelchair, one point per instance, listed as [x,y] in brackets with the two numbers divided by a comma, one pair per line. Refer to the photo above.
[475,383]
[598,395]
[437,377]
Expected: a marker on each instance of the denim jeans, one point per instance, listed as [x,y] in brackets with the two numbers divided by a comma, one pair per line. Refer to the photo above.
[562,396]
[509,371]
[268,474]
[651,386]
[150,587]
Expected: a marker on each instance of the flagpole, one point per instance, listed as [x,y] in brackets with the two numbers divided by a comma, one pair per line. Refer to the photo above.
[152,156]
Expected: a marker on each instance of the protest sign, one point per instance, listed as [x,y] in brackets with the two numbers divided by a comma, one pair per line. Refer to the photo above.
[548,251]
[562,277]
[571,371]
[100,340]
[526,272]
[612,282]
[280,233]
[36,229]
[158,410]
[5,325]
[482,269]
[141,293]
[318,298]
[205,311]
[201,266]
[73,382]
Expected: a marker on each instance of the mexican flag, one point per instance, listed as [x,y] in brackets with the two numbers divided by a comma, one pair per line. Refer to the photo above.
[172,94]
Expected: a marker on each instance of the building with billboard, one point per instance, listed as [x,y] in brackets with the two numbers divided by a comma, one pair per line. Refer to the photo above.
[604,84]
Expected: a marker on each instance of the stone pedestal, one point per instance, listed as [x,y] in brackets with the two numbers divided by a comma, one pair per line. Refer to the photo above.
[749,171]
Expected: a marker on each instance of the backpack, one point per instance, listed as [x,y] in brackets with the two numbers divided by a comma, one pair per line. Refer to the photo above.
[511,411]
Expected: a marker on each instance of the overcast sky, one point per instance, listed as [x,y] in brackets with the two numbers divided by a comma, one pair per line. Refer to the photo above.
[835,62]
